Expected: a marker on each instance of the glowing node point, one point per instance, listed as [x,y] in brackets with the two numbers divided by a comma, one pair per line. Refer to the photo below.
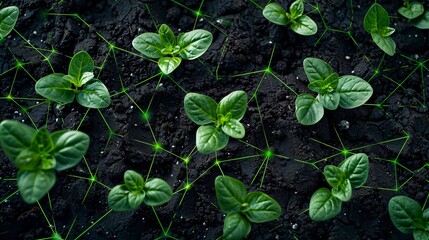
[112,46]
[157,147]
[188,186]
[93,179]
[345,152]
[186,160]
[146,116]
[124,90]
[377,71]
[9,97]
[268,70]
[268,154]
[378,105]
[197,13]
[217,162]
[19,64]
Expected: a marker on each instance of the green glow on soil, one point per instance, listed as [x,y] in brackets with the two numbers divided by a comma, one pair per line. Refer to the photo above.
[378,105]
[345,152]
[268,154]
[217,162]
[188,186]
[197,13]
[377,71]
[157,147]
[268,70]
[93,179]
[9,97]
[186,160]
[19,64]
[146,116]
[112,46]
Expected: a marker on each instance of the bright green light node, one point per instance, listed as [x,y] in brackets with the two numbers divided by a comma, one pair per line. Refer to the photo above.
[268,70]
[268,154]
[56,236]
[345,152]
[378,105]
[395,161]
[9,97]
[377,71]
[112,46]
[19,64]
[197,13]
[188,186]
[157,147]
[124,90]
[217,162]
[146,116]
[186,160]
[93,179]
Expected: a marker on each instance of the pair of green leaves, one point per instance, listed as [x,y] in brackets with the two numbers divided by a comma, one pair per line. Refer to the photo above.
[218,121]
[299,23]
[80,83]
[352,173]
[408,217]
[135,191]
[242,208]
[415,13]
[37,154]
[8,18]
[346,91]
[376,22]
[169,50]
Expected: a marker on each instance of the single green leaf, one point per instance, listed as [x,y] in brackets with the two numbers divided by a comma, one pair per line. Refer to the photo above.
[414,10]
[420,234]
[421,22]
[262,208]
[304,25]
[42,141]
[275,13]
[354,91]
[166,35]
[201,109]
[94,95]
[316,86]
[376,18]
[86,77]
[234,128]
[135,199]
[157,192]
[210,139]
[118,199]
[334,176]
[234,103]
[8,18]
[329,100]
[15,137]
[323,205]
[169,64]
[316,69]
[386,32]
[28,160]
[387,44]
[308,110]
[56,88]
[133,180]
[48,161]
[79,64]
[149,44]
[195,43]
[236,227]
[230,193]
[296,9]
[71,79]
[343,191]
[356,169]
[70,147]
[404,212]
[33,185]
[331,82]
[426,215]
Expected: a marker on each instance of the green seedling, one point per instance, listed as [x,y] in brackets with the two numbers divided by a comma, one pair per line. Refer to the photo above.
[37,154]
[408,217]
[299,23]
[8,18]
[135,191]
[217,122]
[243,208]
[79,82]
[376,22]
[352,173]
[169,50]
[346,91]
[415,13]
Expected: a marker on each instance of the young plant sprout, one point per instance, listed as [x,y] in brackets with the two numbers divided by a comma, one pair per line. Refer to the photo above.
[376,22]
[408,217]
[79,82]
[299,23]
[217,122]
[170,51]
[415,13]
[346,91]
[37,154]
[243,208]
[135,191]
[352,173]
[8,18]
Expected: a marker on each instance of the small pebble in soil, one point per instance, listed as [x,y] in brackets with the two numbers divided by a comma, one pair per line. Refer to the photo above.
[348,57]
[344,125]
[295,226]
[35,32]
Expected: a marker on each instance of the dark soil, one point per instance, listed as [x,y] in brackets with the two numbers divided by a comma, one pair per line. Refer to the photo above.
[246,46]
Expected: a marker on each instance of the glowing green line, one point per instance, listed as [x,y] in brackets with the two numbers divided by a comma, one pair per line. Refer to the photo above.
[11,195]
[150,167]
[399,85]
[240,158]
[92,225]
[46,218]
[284,84]
[325,144]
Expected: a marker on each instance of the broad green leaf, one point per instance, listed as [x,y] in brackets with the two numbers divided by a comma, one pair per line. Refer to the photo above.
[420,234]
[86,77]
[323,205]
[28,160]
[71,79]
[376,18]
[169,64]
[79,64]
[262,208]
[135,199]
[94,95]
[343,191]
[15,137]
[308,110]
[210,139]
[275,13]
[316,86]
[149,44]
[296,9]
[331,82]
[386,32]
[42,141]
[166,35]
[234,128]
[236,227]
[316,69]
[234,103]
[118,199]
[426,215]
[8,18]
[230,193]
[404,212]
[193,44]
[421,22]
[133,180]
[329,100]
[56,88]
[412,11]
[201,109]
[304,25]
[387,44]
[157,192]
[48,161]
[334,176]
[356,169]
[354,91]
[70,147]
[33,185]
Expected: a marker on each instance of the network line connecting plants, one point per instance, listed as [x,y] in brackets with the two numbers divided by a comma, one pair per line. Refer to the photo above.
[144,126]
